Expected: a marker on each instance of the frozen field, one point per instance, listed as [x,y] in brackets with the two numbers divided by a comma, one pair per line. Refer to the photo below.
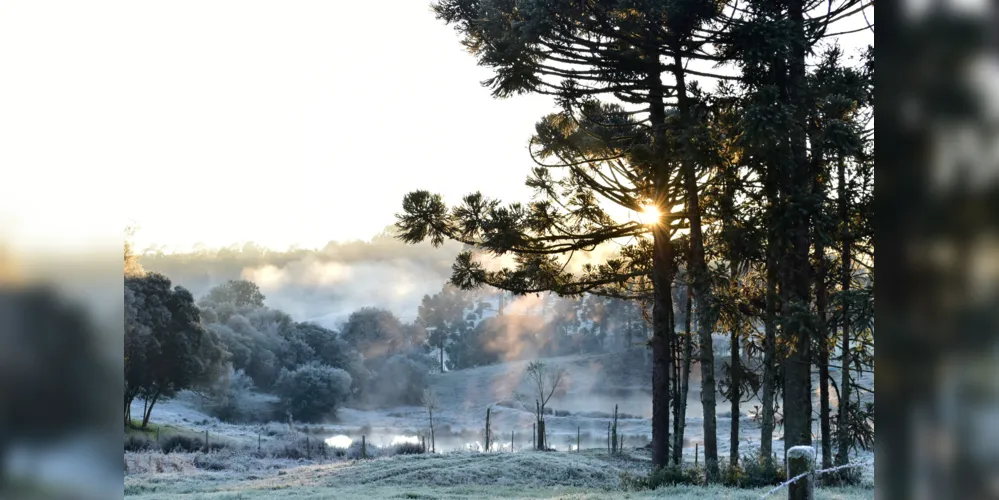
[453,475]
[595,384]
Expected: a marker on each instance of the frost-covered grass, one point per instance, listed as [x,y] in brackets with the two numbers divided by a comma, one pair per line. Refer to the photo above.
[453,475]
[596,383]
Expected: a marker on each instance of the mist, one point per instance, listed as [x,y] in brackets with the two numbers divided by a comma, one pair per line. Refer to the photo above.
[319,285]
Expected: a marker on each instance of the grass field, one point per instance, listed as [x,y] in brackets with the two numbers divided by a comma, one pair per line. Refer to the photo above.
[446,476]
[597,384]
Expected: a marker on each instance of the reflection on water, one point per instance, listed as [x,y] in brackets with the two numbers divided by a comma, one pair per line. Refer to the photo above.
[340,441]
[405,439]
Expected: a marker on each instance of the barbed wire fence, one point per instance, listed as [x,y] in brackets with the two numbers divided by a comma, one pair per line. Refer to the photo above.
[805,474]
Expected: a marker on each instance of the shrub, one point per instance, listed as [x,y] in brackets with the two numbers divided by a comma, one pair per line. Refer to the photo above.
[754,471]
[313,391]
[399,379]
[353,452]
[407,449]
[230,398]
[139,442]
[670,475]
[181,443]
[299,449]
[211,461]
[843,477]
[156,462]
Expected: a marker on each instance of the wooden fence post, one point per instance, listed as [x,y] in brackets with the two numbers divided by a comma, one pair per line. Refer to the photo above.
[487,428]
[614,448]
[801,460]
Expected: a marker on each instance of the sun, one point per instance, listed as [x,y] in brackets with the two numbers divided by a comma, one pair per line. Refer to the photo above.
[650,214]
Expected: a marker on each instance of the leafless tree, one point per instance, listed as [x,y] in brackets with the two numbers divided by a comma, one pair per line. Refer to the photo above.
[544,381]
[431,403]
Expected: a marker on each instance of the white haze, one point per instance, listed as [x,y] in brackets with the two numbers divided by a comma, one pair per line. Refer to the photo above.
[323,286]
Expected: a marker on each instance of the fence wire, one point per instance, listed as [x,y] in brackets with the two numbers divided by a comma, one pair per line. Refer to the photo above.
[787,483]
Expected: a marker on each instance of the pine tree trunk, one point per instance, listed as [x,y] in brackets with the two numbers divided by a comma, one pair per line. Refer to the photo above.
[662,281]
[846,259]
[769,339]
[677,405]
[821,305]
[797,368]
[821,295]
[702,292]
[660,375]
[688,350]
[734,375]
[442,356]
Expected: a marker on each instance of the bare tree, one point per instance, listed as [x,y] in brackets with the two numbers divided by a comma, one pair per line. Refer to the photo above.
[431,403]
[544,382]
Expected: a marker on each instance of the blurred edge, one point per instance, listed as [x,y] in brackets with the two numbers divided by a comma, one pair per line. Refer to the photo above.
[61,358]
[937,206]
[937,199]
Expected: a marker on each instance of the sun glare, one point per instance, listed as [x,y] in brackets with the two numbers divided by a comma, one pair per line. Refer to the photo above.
[649,215]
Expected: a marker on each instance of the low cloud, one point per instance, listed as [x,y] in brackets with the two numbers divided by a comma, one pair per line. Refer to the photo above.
[324,285]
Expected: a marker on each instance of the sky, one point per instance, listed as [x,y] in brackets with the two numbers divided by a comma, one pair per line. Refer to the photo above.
[214,123]
[283,123]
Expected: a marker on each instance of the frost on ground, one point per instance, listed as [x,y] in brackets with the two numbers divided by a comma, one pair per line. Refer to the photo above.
[589,475]
[596,384]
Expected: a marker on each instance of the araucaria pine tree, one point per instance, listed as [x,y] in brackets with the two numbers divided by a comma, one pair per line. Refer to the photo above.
[705,116]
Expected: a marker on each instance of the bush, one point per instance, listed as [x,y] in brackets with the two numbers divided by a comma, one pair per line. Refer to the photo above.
[671,475]
[180,443]
[353,452]
[754,471]
[156,462]
[139,442]
[843,477]
[230,399]
[299,449]
[407,449]
[399,379]
[212,461]
[313,391]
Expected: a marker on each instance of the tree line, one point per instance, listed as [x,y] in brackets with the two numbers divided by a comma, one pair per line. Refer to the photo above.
[228,345]
[749,131]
